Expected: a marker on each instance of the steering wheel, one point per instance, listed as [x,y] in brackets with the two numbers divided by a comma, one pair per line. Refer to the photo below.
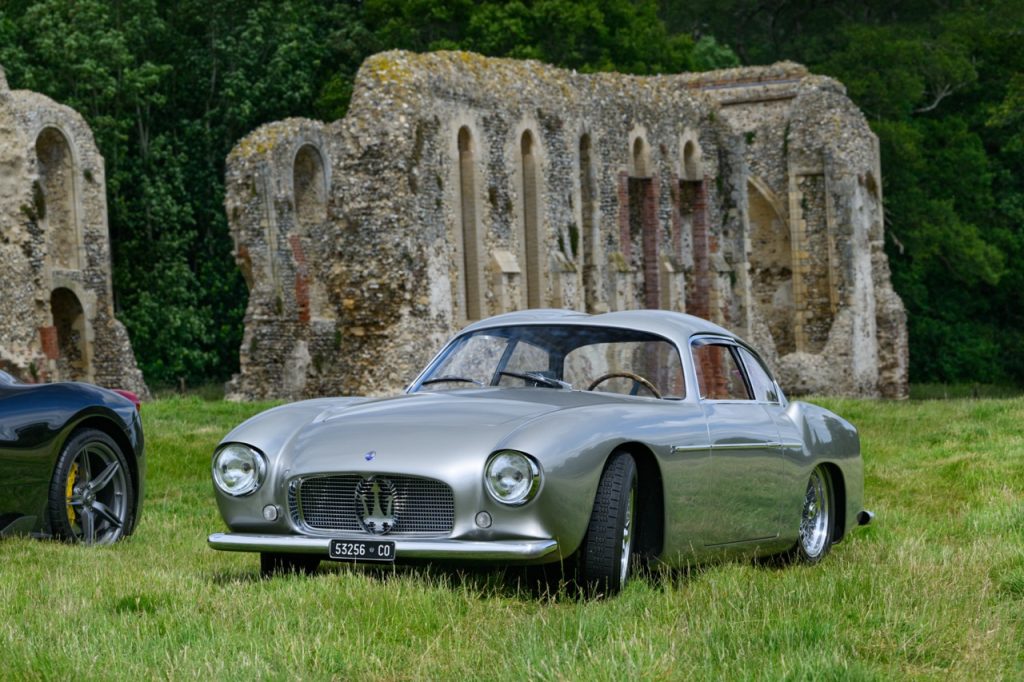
[637,380]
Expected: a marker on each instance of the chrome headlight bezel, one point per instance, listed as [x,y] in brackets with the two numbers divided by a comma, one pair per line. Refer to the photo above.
[522,463]
[253,477]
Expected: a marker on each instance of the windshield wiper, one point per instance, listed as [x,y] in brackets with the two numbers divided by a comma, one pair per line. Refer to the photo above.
[441,380]
[537,378]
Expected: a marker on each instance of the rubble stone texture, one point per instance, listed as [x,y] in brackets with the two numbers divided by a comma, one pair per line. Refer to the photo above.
[459,186]
[56,315]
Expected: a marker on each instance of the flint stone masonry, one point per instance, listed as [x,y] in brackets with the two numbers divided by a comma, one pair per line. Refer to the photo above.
[56,316]
[460,186]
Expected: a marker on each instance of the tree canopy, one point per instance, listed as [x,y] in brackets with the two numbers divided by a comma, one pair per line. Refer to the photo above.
[169,87]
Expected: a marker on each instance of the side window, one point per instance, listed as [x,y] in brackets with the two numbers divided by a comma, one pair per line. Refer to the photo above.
[718,373]
[760,380]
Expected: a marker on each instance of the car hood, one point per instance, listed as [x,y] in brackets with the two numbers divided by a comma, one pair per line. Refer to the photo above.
[423,432]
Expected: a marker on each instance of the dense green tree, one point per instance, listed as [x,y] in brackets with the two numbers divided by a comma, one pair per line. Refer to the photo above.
[588,35]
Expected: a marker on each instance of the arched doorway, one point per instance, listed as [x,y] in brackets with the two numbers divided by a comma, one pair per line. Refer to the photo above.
[74,360]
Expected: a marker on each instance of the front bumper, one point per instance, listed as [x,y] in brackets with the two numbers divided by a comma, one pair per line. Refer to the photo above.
[499,550]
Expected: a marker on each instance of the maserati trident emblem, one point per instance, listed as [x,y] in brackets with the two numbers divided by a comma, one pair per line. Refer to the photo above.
[375,505]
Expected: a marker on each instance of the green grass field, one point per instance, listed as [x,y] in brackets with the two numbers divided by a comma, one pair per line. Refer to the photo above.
[934,588]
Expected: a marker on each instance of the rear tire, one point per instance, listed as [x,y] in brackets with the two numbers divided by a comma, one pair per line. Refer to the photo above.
[607,553]
[274,563]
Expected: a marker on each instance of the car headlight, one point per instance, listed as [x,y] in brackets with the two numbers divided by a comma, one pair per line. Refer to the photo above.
[512,477]
[238,469]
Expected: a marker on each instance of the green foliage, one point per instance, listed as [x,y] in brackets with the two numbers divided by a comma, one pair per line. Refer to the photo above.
[591,35]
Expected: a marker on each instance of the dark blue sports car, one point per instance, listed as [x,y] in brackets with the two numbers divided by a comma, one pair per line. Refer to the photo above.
[71,461]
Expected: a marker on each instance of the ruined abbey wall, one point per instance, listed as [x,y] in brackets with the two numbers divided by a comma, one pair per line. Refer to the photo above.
[56,315]
[459,187]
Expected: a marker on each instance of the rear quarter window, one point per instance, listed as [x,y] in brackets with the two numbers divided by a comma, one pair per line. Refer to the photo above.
[718,373]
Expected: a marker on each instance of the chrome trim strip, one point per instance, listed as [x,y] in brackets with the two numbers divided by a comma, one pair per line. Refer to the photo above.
[793,444]
[689,448]
[404,548]
[745,446]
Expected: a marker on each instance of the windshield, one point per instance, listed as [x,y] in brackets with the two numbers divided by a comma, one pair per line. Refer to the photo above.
[576,357]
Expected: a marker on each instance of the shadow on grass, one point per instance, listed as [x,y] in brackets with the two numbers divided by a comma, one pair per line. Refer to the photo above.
[550,583]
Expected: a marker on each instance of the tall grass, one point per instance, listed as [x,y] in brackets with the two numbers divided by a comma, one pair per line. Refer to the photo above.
[934,588]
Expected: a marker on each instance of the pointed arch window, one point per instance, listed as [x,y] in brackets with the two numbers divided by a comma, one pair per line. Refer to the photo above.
[309,183]
[588,242]
[56,205]
[472,289]
[533,238]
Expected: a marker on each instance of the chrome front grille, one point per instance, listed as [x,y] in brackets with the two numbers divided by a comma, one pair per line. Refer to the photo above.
[423,507]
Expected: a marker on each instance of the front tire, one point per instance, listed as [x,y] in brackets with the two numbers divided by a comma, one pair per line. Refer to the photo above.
[91,498]
[607,553]
[817,518]
[274,563]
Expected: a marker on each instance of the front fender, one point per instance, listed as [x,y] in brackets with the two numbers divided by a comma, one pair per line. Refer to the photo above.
[830,439]
[271,430]
[572,447]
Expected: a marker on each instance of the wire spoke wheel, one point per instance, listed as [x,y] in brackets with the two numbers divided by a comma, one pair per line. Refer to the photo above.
[816,517]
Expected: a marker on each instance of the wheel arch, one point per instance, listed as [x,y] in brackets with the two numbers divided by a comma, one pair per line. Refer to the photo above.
[835,475]
[118,435]
[651,513]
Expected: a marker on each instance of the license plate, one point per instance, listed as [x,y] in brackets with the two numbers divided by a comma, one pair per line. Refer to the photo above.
[361,550]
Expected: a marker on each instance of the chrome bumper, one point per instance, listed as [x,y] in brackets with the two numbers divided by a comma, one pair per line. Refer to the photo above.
[404,548]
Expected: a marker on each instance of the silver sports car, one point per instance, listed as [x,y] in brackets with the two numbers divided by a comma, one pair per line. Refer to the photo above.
[552,437]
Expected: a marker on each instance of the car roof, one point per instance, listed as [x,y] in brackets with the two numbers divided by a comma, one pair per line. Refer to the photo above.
[667,323]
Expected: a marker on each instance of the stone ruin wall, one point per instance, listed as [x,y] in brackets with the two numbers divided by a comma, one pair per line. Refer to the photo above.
[56,307]
[459,187]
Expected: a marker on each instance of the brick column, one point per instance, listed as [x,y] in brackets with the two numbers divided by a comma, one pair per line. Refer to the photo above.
[301,279]
[48,340]
[677,217]
[701,304]
[649,218]
[625,245]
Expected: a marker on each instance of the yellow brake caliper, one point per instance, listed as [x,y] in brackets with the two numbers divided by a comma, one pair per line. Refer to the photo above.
[72,477]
